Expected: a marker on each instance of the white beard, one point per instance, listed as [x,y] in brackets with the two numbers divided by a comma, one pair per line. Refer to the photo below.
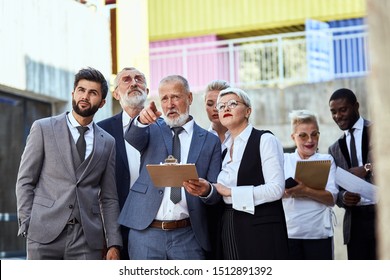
[179,121]
[127,100]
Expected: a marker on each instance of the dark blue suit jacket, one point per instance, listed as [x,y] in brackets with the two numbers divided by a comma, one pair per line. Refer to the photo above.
[114,126]
[155,144]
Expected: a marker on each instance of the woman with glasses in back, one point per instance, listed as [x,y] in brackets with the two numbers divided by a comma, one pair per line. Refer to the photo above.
[252,184]
[308,211]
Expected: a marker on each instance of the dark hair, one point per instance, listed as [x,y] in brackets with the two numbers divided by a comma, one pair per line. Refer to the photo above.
[93,75]
[344,93]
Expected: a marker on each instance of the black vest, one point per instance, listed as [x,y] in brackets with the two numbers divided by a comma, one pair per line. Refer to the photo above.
[264,234]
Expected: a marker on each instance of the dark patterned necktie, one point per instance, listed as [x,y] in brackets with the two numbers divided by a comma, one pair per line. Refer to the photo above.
[352,146]
[81,144]
[175,191]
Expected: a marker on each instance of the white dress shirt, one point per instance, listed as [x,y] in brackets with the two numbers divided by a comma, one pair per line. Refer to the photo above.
[358,134]
[89,134]
[305,217]
[133,155]
[169,211]
[245,198]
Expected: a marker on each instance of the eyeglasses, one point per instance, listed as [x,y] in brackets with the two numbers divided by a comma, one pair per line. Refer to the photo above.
[231,104]
[128,79]
[304,136]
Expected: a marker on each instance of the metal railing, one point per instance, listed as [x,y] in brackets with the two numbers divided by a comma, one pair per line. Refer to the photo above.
[273,60]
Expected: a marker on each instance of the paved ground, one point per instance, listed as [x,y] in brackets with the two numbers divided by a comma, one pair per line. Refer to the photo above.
[340,250]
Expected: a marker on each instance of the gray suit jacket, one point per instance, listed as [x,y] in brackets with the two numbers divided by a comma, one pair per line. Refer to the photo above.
[48,186]
[155,144]
[339,151]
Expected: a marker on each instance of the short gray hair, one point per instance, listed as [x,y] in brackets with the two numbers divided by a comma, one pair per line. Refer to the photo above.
[176,79]
[298,117]
[239,92]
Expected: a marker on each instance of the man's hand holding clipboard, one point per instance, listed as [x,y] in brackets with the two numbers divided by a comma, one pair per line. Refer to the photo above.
[171,173]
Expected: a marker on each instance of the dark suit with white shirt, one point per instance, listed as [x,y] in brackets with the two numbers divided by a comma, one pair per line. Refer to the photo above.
[359,227]
[114,126]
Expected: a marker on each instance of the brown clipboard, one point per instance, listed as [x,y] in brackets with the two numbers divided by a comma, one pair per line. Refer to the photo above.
[313,173]
[171,174]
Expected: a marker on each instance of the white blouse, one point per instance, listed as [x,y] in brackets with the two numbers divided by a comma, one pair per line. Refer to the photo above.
[245,198]
[305,217]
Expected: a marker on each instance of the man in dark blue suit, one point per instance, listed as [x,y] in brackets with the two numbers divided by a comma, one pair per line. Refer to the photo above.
[160,226]
[131,92]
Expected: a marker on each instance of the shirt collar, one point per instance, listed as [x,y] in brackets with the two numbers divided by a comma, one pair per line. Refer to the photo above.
[298,157]
[244,135]
[75,124]
[189,126]
[359,124]
[126,119]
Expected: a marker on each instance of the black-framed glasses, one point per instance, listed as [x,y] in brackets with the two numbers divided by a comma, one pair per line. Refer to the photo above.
[304,136]
[231,104]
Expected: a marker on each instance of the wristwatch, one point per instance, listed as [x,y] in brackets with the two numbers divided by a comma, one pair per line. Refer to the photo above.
[368,167]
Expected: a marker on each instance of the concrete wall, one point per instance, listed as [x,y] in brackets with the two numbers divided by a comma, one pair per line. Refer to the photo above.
[45,42]
[271,107]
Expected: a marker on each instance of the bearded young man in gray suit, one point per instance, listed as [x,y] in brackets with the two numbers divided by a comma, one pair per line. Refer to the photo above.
[160,227]
[66,196]
[131,91]
[359,227]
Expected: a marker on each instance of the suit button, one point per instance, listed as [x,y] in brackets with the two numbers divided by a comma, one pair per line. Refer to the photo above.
[70,206]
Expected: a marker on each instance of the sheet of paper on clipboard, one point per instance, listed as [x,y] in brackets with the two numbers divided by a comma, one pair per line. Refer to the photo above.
[170,173]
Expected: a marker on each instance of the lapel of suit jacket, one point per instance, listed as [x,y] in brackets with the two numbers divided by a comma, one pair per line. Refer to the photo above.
[197,141]
[62,137]
[166,134]
[365,145]
[344,149]
[365,141]
[99,143]
[117,132]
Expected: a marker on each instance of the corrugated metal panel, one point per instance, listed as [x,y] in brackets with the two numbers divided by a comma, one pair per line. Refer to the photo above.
[186,18]
[174,64]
